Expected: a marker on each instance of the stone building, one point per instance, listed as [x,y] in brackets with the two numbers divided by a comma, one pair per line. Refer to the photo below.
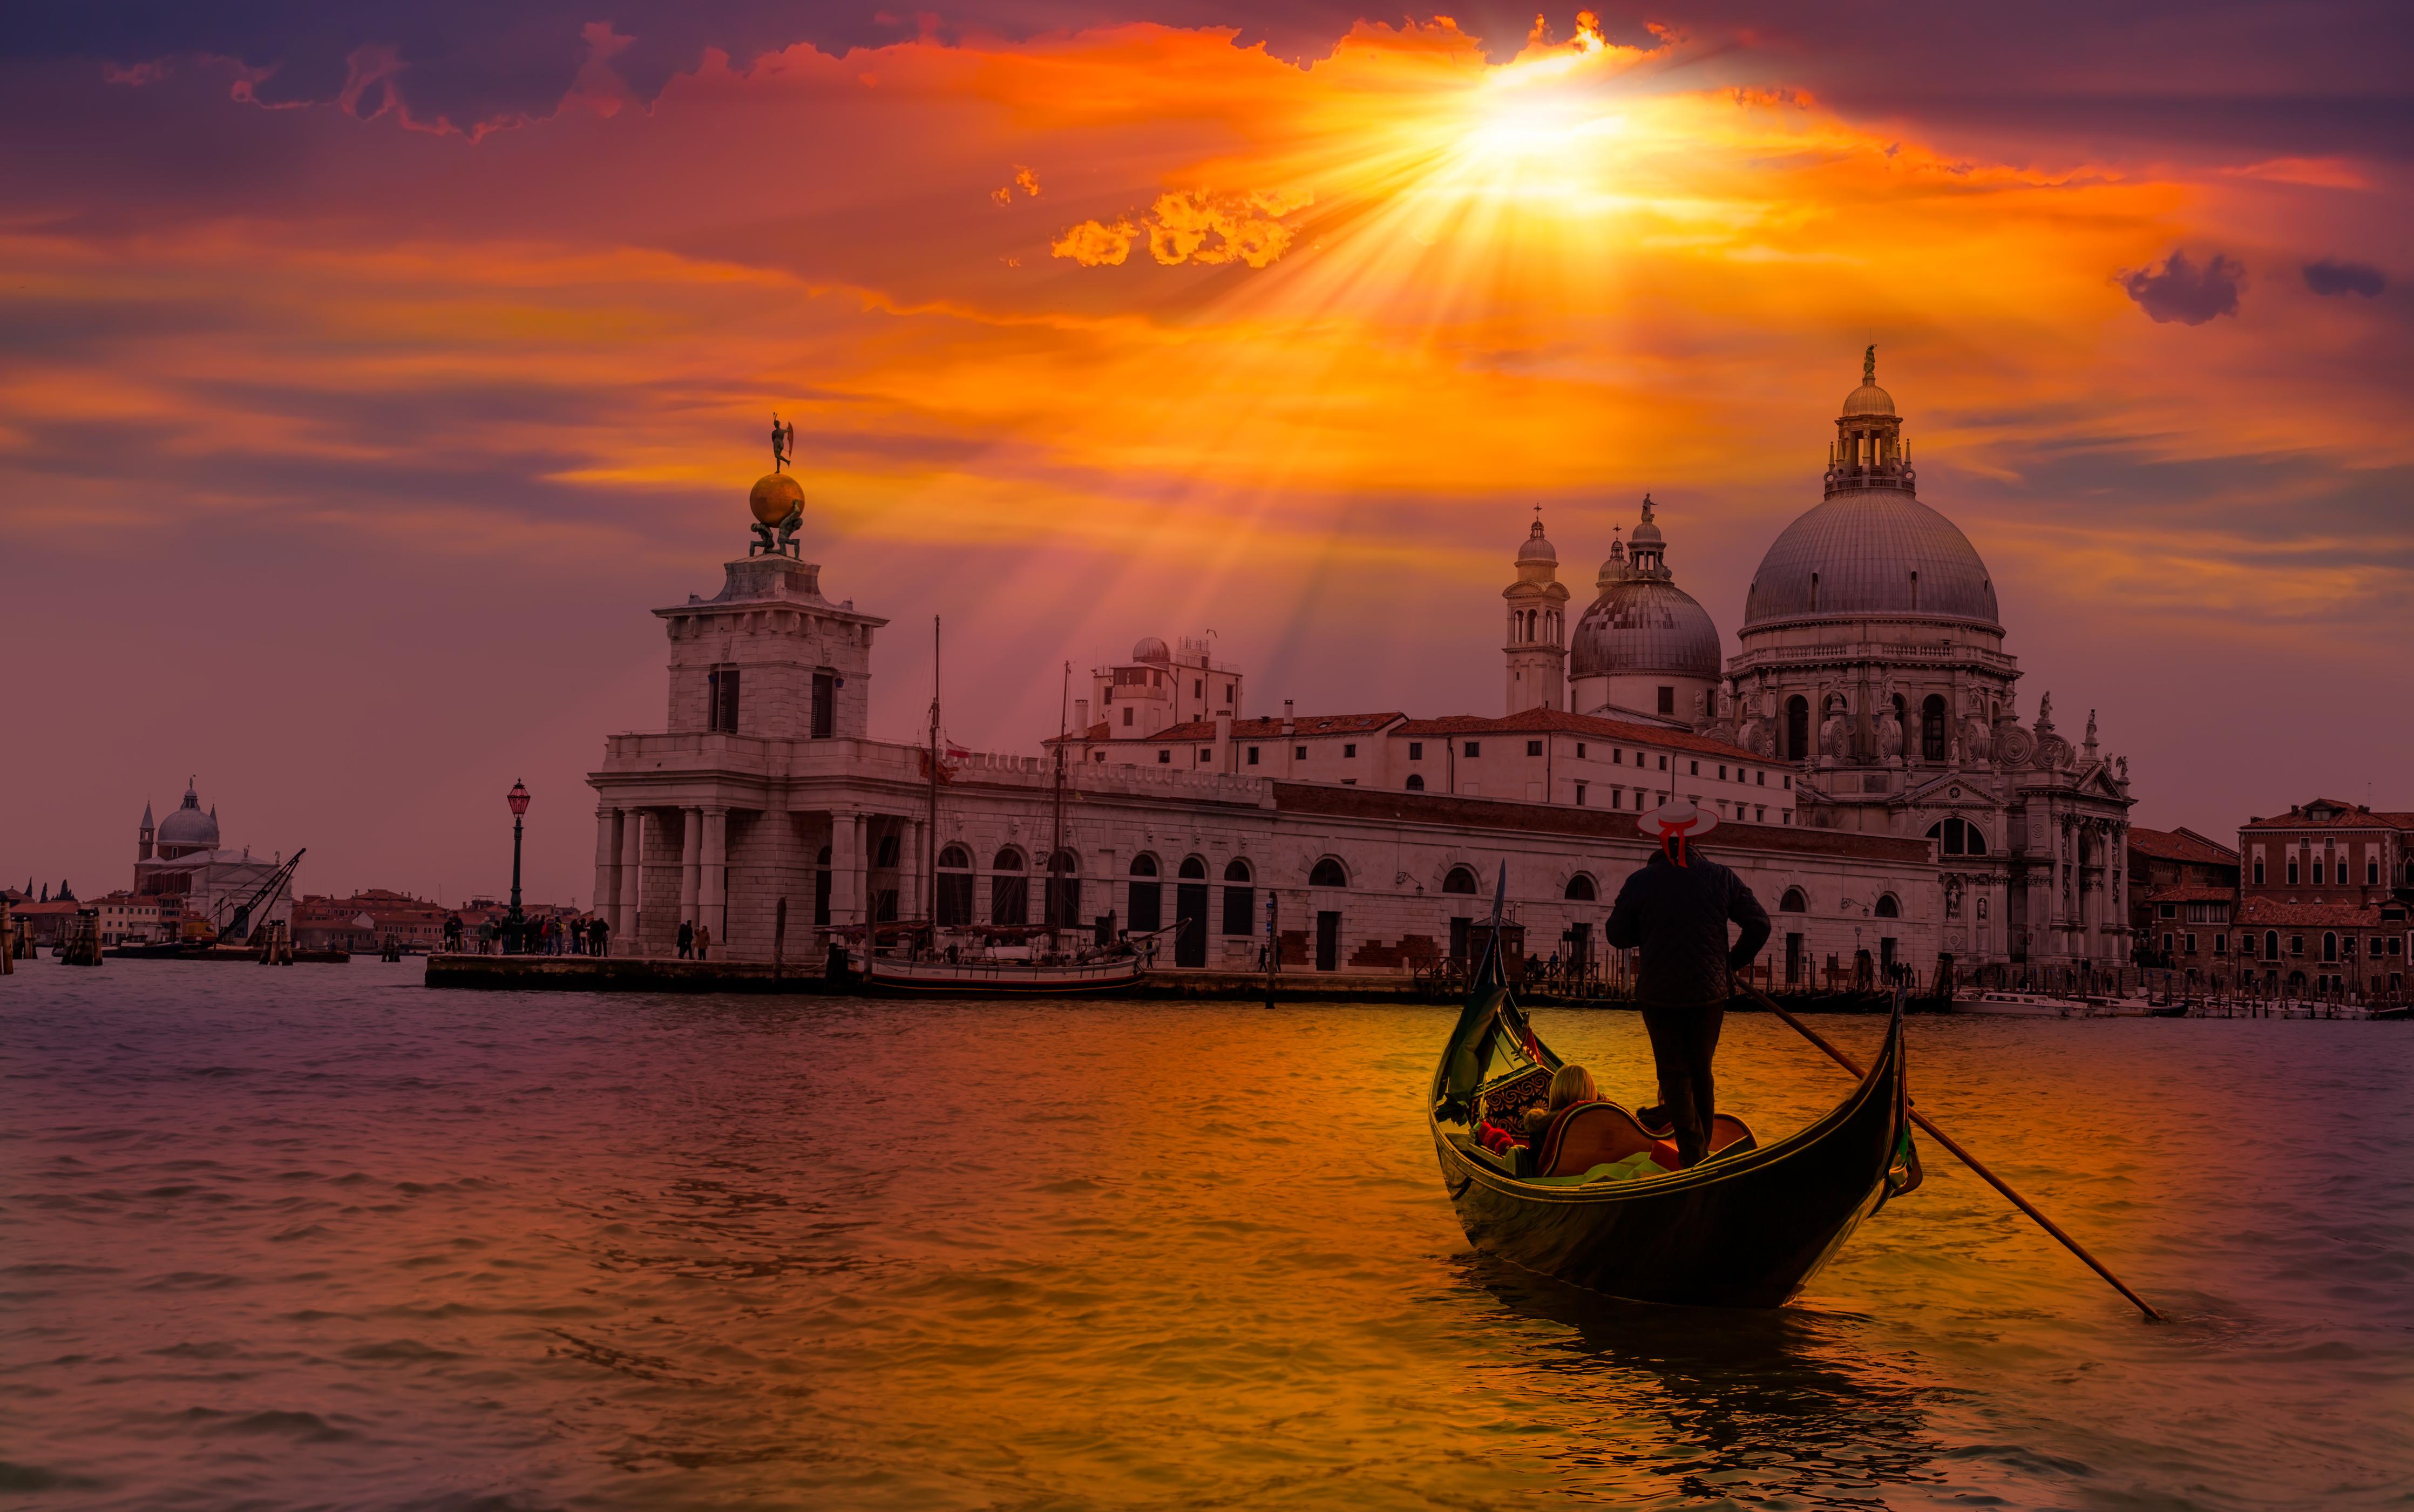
[2182,892]
[1378,837]
[198,883]
[2324,900]
[1871,657]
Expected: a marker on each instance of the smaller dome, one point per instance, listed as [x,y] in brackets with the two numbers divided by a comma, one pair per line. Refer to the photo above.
[1538,547]
[1869,399]
[1150,649]
[189,827]
[774,497]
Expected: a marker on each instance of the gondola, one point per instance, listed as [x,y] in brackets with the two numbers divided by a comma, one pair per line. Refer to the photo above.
[1745,1228]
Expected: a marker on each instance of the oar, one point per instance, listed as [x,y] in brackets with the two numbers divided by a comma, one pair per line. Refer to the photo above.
[1966,1159]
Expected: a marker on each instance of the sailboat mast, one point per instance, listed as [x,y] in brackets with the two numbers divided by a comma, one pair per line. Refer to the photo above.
[931,827]
[1056,844]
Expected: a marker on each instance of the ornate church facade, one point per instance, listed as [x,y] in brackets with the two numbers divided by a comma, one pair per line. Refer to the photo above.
[1871,663]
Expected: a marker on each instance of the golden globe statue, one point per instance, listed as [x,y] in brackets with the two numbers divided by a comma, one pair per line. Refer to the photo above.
[774,497]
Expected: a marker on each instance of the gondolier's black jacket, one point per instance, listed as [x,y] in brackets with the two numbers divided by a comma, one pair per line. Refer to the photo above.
[1679,915]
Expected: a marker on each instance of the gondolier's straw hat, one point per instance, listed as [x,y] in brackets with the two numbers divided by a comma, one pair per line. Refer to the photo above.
[1675,823]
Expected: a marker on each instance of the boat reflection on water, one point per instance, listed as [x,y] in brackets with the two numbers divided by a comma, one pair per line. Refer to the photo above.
[1736,1404]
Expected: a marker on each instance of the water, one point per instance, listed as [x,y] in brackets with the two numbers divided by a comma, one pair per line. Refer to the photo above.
[319,1237]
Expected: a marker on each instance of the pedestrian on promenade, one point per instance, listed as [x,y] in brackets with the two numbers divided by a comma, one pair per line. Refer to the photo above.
[703,941]
[1676,908]
[599,937]
[686,938]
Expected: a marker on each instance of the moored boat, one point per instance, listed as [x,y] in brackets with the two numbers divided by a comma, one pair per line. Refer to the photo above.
[1745,1227]
[934,978]
[2004,1002]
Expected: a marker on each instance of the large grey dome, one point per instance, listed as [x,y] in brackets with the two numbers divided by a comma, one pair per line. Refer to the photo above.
[1644,624]
[1873,551]
[189,827]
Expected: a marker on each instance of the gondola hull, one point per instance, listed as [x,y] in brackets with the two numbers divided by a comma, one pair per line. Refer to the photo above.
[1000,979]
[1741,1231]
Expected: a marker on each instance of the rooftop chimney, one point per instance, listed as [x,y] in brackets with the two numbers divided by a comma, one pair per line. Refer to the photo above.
[1286,719]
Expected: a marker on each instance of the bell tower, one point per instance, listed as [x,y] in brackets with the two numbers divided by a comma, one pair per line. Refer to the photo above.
[1537,649]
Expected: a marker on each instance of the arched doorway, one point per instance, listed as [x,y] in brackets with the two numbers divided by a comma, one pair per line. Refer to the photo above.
[952,905]
[1147,897]
[1190,913]
[1798,728]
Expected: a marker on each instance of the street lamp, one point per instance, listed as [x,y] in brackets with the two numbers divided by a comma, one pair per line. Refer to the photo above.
[516,927]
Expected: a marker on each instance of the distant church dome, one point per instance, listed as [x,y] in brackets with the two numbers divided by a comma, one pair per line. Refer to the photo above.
[1872,547]
[1643,623]
[1538,547]
[188,827]
[1150,649]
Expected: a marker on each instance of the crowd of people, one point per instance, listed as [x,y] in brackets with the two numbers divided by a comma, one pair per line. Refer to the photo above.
[547,935]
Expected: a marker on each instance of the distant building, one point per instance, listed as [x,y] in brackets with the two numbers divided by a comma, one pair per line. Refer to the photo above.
[198,885]
[363,921]
[2184,892]
[2324,900]
[128,919]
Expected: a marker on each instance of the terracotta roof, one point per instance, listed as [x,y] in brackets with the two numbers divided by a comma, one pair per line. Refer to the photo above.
[2260,913]
[1558,818]
[1538,721]
[1254,729]
[2191,895]
[2340,816]
[2180,845]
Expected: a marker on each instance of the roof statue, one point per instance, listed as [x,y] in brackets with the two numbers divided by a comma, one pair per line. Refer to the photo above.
[777,499]
[1869,367]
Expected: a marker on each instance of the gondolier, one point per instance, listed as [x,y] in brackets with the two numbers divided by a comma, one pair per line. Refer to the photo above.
[1677,909]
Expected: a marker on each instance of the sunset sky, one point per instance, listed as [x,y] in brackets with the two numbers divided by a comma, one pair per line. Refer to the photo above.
[369,370]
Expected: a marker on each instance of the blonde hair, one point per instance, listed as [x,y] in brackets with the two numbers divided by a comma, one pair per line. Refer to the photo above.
[1572,1085]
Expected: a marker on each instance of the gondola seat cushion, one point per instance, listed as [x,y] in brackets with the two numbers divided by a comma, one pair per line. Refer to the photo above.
[1596,1133]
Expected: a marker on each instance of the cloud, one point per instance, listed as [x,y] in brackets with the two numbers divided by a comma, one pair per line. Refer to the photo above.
[1095,244]
[1193,226]
[2179,290]
[2331,278]
[1024,179]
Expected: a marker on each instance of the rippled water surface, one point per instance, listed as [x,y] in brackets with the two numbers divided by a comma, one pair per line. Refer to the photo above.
[319,1237]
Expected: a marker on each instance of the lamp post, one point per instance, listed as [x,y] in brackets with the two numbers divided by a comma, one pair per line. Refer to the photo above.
[515,925]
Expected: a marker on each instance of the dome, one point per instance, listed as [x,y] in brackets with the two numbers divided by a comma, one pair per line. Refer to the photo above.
[1538,547]
[1867,399]
[1645,625]
[189,827]
[1150,649]
[774,496]
[1872,551]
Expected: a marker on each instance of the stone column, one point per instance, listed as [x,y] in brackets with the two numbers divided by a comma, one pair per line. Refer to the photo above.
[716,874]
[690,861]
[863,874]
[632,880]
[847,887]
[607,865]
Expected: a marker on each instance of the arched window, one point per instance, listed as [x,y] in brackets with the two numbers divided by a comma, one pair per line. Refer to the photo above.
[1147,896]
[953,900]
[1009,890]
[1888,907]
[2330,945]
[1793,901]
[1956,836]
[1581,889]
[1416,782]
[1461,879]
[1327,874]
[1239,899]
[1193,867]
[1063,888]
[2271,945]
[1933,735]
[1798,728]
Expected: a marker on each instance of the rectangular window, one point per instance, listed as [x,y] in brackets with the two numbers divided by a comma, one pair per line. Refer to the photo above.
[2318,874]
[720,699]
[825,705]
[1723,772]
[1473,748]
[1127,713]
[1759,814]
[1253,756]
[1617,757]
[1203,755]
[2167,942]
[2371,873]
[1299,753]
[2191,943]
[1580,749]
[1786,816]
[2258,871]
[1667,700]
[1533,748]
[2296,945]
[1664,763]
[1580,795]
[1349,752]
[2221,945]
[1760,779]
[2292,871]
[2166,910]
[1416,750]
[1165,758]
[1789,782]
[1694,768]
[1197,690]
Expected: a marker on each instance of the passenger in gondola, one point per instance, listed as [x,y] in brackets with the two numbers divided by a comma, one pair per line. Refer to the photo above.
[1571,1084]
[1677,909]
